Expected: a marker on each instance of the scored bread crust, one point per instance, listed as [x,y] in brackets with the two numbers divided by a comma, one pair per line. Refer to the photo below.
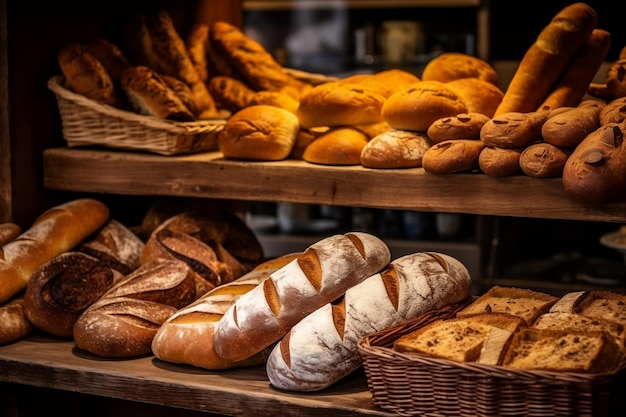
[395,149]
[322,348]
[320,275]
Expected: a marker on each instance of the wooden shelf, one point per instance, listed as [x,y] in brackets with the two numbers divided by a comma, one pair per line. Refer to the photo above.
[48,362]
[209,175]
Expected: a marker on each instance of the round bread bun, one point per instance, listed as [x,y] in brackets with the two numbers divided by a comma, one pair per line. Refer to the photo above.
[451,66]
[274,98]
[395,149]
[479,95]
[340,145]
[386,82]
[338,103]
[261,133]
[418,106]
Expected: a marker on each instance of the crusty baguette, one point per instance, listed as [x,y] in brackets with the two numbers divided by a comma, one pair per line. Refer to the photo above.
[197,42]
[322,348]
[187,336]
[513,129]
[547,58]
[64,287]
[596,171]
[574,83]
[320,275]
[14,325]
[8,232]
[569,128]
[453,155]
[544,160]
[57,230]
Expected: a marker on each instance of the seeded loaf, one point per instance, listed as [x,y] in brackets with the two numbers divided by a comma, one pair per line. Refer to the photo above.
[604,304]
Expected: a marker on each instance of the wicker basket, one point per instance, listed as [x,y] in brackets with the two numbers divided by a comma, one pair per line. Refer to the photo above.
[411,384]
[86,122]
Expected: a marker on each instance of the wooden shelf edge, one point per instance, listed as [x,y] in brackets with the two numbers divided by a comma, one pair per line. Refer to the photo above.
[209,175]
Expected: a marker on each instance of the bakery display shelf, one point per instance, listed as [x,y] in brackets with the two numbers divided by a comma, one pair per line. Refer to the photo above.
[210,175]
[53,363]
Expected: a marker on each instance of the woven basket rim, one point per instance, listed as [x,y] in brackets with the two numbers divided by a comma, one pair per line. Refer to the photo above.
[55,84]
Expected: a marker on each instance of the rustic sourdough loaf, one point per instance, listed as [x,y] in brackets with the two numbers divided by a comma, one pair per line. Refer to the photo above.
[395,149]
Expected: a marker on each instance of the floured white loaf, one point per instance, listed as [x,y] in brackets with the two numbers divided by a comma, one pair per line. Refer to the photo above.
[322,348]
[319,276]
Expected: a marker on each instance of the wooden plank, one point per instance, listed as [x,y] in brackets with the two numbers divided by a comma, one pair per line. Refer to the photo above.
[53,363]
[211,175]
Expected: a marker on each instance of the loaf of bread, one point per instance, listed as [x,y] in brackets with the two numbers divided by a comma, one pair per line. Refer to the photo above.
[545,62]
[259,133]
[123,322]
[110,56]
[275,98]
[197,43]
[569,128]
[319,276]
[340,103]
[563,351]
[395,149]
[613,112]
[451,156]
[499,162]
[385,82]
[604,304]
[62,288]
[480,96]
[521,302]
[614,86]
[14,325]
[340,145]
[322,348]
[544,160]
[596,171]
[187,336]
[230,93]
[574,83]
[8,232]
[460,126]
[182,91]
[418,106]
[514,129]
[450,66]
[57,230]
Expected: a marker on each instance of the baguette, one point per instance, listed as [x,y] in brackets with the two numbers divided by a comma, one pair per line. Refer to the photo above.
[596,171]
[14,325]
[574,83]
[322,348]
[320,275]
[57,230]
[8,232]
[187,336]
[545,61]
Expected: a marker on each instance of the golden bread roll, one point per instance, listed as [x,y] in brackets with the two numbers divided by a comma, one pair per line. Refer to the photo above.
[461,126]
[275,98]
[148,94]
[480,96]
[395,149]
[85,75]
[340,104]
[452,156]
[386,82]
[340,145]
[262,133]
[374,129]
[418,106]
[450,66]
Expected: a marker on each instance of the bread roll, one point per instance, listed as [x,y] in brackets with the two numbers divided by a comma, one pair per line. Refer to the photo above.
[338,146]
[543,160]
[613,112]
[171,58]
[499,162]
[275,98]
[450,66]
[418,106]
[545,61]
[569,128]
[8,232]
[460,126]
[148,94]
[187,336]
[64,287]
[322,348]
[57,230]
[259,133]
[452,156]
[480,96]
[385,82]
[304,138]
[340,103]
[513,130]
[395,149]
[320,275]
[596,171]
[14,325]
[616,76]
[123,322]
